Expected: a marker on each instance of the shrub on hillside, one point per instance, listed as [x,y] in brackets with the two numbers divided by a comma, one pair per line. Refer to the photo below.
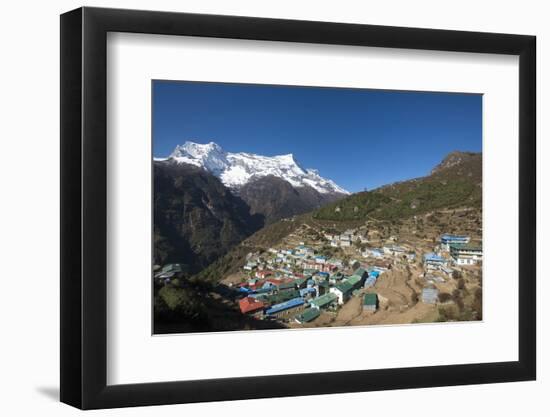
[444,297]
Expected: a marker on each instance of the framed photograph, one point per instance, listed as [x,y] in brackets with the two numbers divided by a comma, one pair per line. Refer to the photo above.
[260,208]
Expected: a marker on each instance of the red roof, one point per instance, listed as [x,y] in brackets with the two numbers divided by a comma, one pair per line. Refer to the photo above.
[279,281]
[249,304]
[257,285]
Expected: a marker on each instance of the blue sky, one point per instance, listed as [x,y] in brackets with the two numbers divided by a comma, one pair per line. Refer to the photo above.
[359,138]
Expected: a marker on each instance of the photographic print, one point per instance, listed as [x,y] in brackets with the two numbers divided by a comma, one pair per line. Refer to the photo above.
[292,207]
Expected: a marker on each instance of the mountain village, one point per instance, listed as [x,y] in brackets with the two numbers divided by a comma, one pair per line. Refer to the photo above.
[296,285]
[359,280]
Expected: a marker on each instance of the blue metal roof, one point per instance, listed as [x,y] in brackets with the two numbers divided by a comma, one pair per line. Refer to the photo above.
[433,257]
[370,281]
[454,238]
[308,290]
[295,302]
[375,274]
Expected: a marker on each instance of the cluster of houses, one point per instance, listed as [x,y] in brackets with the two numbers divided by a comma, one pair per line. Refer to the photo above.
[286,261]
[460,250]
[297,284]
[389,251]
[345,239]
[392,251]
[454,250]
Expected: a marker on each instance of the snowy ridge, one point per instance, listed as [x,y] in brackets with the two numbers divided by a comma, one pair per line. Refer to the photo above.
[237,169]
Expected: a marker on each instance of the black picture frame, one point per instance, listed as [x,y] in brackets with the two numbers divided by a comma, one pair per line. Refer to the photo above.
[84,207]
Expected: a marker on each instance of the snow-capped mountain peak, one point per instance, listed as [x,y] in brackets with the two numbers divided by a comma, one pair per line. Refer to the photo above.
[237,169]
[209,156]
[196,150]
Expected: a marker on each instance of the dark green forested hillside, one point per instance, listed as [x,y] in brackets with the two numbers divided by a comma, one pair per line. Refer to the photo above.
[456,182]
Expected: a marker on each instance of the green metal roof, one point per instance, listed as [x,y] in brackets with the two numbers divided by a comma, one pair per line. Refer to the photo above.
[465,246]
[344,286]
[324,300]
[286,285]
[354,280]
[282,296]
[300,281]
[370,299]
[360,272]
[308,315]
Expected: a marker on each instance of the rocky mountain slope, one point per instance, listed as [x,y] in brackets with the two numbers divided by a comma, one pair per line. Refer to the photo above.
[273,187]
[196,218]
[275,199]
